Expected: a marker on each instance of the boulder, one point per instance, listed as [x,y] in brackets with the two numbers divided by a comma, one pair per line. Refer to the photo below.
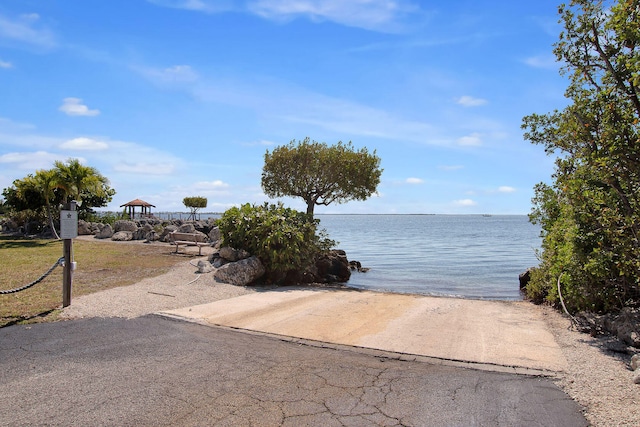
[214,235]
[635,362]
[525,277]
[143,232]
[124,225]
[187,228]
[332,267]
[84,228]
[106,232]
[122,236]
[233,255]
[240,273]
[164,236]
[204,266]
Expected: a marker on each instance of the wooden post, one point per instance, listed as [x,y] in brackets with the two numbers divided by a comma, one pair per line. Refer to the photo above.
[67,272]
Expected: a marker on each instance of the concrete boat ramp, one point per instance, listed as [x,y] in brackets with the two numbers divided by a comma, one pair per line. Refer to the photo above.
[505,336]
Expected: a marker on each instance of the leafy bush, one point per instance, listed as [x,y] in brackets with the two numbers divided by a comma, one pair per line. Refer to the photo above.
[106,217]
[282,238]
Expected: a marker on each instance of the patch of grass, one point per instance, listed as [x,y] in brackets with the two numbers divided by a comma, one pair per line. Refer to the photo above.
[101,265]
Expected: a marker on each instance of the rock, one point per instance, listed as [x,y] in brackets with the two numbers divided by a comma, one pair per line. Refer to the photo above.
[214,235]
[204,266]
[525,277]
[627,327]
[332,267]
[106,232]
[233,255]
[187,228]
[164,236]
[84,228]
[124,225]
[357,265]
[636,379]
[122,236]
[635,362]
[240,273]
[143,232]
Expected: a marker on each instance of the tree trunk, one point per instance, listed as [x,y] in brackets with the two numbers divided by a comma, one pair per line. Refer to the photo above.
[53,228]
[310,206]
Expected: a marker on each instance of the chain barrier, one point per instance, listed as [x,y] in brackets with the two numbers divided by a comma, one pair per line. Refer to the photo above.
[60,261]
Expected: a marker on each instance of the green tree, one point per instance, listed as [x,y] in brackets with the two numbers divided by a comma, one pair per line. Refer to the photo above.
[46,181]
[590,212]
[320,174]
[36,195]
[77,180]
[194,203]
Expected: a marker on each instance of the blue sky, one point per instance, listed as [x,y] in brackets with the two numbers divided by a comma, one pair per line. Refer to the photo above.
[176,98]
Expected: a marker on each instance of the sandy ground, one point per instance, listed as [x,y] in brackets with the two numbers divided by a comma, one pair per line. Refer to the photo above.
[599,380]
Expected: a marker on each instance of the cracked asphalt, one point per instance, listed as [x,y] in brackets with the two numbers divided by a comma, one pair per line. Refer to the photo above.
[155,371]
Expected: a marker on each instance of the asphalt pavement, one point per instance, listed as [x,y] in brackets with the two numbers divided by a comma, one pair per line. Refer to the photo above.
[157,371]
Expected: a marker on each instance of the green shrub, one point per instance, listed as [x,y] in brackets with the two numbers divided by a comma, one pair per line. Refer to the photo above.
[106,217]
[282,238]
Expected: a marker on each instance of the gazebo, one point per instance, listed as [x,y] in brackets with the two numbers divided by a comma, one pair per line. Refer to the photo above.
[146,207]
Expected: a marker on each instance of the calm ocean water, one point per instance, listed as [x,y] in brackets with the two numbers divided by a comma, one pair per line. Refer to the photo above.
[469,256]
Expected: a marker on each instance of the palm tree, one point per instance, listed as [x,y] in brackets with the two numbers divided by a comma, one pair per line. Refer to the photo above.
[46,181]
[74,178]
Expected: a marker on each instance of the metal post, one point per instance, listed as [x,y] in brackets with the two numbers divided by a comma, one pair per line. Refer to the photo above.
[67,272]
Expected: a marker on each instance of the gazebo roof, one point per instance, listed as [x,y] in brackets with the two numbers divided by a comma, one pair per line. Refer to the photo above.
[138,202]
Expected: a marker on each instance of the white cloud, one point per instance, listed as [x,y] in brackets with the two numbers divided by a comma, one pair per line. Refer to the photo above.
[261,143]
[24,29]
[414,181]
[83,143]
[506,189]
[378,15]
[173,74]
[470,101]
[145,168]
[211,185]
[464,202]
[546,61]
[30,161]
[450,167]
[75,107]
[383,15]
[472,140]
[209,6]
[5,64]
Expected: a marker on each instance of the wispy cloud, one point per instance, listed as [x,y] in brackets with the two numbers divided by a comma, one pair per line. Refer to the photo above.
[545,61]
[211,185]
[29,161]
[208,6]
[472,140]
[506,189]
[170,75]
[83,143]
[414,181]
[75,107]
[144,168]
[383,15]
[26,29]
[470,101]
[465,202]
[376,15]
[5,64]
[450,167]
